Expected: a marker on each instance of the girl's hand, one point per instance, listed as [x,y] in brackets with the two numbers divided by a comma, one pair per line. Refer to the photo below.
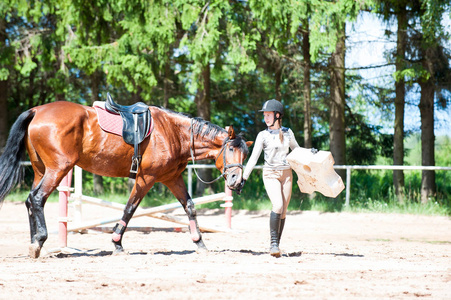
[240,188]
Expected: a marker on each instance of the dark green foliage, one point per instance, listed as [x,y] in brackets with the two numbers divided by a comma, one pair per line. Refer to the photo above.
[365,142]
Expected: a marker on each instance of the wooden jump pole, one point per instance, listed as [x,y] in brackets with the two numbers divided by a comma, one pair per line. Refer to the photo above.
[154,212]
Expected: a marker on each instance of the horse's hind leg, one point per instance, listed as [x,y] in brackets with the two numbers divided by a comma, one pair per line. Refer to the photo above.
[31,205]
[35,206]
[38,229]
[179,190]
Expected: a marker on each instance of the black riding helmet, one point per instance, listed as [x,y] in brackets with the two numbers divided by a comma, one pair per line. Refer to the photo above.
[274,106]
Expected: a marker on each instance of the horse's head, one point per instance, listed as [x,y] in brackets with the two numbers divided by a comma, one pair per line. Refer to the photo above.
[231,157]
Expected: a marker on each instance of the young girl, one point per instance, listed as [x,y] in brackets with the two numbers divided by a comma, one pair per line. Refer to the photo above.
[275,141]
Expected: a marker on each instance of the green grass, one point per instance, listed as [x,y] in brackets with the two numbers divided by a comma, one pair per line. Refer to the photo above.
[430,208]
[18,196]
[299,201]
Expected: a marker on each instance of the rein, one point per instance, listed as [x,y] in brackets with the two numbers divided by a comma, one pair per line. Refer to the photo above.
[225,166]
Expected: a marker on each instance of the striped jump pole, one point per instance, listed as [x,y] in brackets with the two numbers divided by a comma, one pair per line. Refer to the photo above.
[228,206]
[64,190]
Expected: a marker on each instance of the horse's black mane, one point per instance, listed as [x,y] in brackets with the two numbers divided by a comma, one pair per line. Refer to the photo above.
[205,128]
[240,142]
[210,130]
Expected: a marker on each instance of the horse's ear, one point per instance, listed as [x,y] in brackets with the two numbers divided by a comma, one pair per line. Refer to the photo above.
[249,143]
[231,132]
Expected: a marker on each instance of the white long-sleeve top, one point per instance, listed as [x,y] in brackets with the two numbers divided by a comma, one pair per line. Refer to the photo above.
[275,151]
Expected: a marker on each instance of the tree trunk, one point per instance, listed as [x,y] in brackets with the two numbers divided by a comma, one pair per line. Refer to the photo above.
[337,105]
[203,103]
[428,188]
[307,86]
[166,83]
[3,94]
[59,93]
[278,80]
[3,113]
[398,141]
[136,96]
[96,79]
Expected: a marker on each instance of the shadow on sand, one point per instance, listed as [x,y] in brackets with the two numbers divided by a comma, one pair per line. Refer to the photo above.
[100,253]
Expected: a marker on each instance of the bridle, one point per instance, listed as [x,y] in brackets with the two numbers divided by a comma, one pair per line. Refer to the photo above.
[225,166]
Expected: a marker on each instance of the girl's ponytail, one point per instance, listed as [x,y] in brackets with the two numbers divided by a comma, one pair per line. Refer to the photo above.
[280,130]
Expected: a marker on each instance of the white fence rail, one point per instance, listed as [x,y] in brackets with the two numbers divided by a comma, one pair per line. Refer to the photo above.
[381,167]
[338,167]
[197,166]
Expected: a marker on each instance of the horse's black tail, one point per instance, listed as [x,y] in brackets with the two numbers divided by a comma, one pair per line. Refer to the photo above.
[10,170]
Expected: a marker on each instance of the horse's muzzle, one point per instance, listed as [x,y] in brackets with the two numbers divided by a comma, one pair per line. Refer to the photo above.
[233,179]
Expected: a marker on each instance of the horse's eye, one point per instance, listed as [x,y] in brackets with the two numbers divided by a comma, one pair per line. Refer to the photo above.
[231,149]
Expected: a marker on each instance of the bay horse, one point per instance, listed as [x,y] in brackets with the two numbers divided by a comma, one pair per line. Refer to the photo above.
[60,135]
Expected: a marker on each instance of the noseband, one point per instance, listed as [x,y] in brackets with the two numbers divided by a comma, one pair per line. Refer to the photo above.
[225,165]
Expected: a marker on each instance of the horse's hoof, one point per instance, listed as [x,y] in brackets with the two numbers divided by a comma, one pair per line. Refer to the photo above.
[118,252]
[34,250]
[201,248]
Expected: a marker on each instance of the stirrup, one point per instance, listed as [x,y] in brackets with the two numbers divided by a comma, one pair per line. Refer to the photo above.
[135,166]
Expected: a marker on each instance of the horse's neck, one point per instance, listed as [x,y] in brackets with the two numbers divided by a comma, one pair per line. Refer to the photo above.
[203,146]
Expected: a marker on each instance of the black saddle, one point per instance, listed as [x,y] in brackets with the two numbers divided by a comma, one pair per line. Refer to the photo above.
[136,108]
[136,120]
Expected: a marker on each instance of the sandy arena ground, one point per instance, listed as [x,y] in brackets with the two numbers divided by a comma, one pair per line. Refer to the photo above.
[326,256]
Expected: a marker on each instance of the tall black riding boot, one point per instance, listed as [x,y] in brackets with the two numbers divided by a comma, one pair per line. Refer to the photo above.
[282,224]
[274,225]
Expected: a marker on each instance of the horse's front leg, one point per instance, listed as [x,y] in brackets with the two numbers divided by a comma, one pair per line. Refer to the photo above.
[179,190]
[141,187]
